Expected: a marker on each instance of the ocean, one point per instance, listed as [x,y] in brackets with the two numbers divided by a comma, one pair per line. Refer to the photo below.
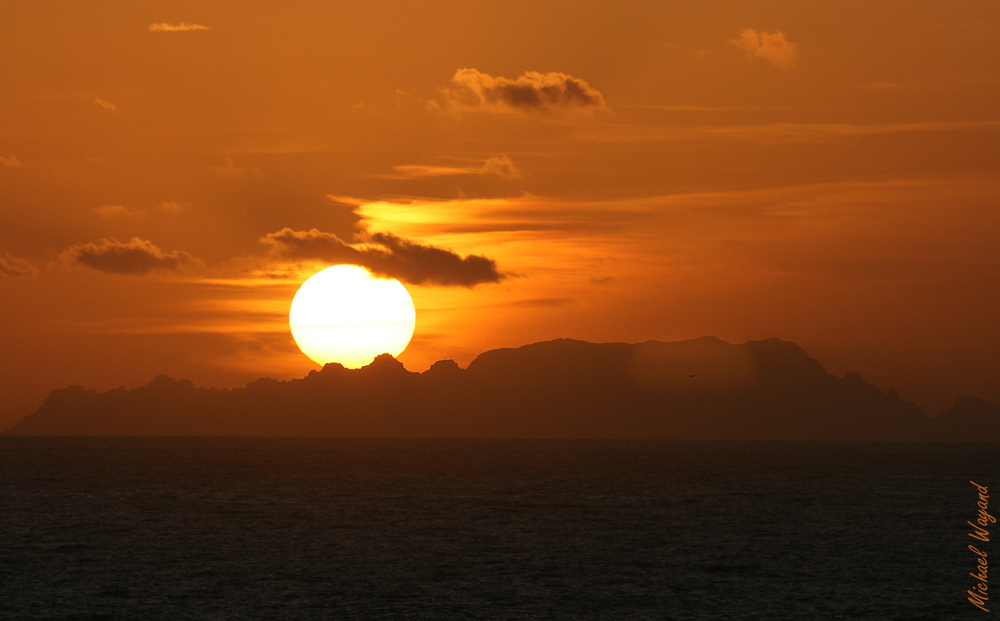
[237,528]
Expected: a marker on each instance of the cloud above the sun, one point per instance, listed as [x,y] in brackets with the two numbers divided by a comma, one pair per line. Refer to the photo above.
[770,46]
[471,90]
[385,254]
[134,257]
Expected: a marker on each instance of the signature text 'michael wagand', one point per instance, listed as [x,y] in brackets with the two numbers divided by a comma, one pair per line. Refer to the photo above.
[977,595]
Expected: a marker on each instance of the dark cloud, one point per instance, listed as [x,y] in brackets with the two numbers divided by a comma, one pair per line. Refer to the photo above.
[16,266]
[474,90]
[385,254]
[136,256]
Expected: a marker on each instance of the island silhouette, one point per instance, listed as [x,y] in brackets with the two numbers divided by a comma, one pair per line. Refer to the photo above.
[704,389]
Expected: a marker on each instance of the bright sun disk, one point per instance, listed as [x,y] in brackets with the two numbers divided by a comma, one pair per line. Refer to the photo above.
[344,314]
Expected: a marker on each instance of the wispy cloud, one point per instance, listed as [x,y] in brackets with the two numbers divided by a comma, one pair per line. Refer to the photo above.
[537,219]
[498,166]
[117,211]
[770,46]
[123,211]
[682,108]
[230,169]
[522,218]
[10,160]
[472,90]
[777,132]
[416,171]
[173,206]
[886,86]
[16,266]
[386,254]
[181,27]
[136,256]
[799,230]
[107,105]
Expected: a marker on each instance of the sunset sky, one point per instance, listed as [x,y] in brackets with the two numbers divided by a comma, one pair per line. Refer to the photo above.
[824,173]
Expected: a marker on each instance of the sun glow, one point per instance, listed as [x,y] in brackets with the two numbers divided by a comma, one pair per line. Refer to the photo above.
[344,314]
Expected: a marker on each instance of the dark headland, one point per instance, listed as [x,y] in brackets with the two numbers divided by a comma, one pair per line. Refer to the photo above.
[698,389]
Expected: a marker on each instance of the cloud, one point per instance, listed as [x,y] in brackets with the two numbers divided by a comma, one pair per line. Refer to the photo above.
[775,132]
[181,27]
[503,221]
[16,266]
[10,160]
[771,46]
[417,171]
[137,256]
[886,86]
[499,166]
[173,207]
[121,211]
[107,105]
[385,254]
[473,90]
[116,211]
[233,170]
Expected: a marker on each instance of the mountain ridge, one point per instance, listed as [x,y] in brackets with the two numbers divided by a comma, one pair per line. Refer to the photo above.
[702,388]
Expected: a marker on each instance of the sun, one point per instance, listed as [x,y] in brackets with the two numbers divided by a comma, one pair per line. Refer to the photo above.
[344,314]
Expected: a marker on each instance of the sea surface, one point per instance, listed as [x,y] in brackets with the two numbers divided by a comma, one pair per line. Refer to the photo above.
[226,528]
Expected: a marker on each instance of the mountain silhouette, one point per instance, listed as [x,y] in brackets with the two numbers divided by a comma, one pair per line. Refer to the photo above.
[704,388]
[969,418]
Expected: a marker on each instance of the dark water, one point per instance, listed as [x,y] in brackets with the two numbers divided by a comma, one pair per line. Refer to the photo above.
[155,528]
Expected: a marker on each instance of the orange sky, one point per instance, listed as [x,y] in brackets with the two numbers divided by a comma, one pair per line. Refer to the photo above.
[825,173]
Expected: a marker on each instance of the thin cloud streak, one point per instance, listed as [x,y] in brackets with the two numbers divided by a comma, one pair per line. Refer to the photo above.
[117,211]
[230,169]
[419,171]
[124,211]
[541,220]
[843,232]
[107,105]
[499,166]
[237,323]
[777,132]
[181,27]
